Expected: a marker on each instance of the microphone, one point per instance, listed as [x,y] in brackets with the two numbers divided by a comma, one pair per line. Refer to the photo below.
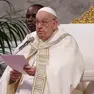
[31,39]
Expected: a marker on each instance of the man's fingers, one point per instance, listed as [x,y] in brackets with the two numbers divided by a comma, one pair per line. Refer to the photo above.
[30,71]
[14,78]
[15,72]
[14,75]
[27,67]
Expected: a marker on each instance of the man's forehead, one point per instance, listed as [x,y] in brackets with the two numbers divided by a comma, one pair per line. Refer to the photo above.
[33,9]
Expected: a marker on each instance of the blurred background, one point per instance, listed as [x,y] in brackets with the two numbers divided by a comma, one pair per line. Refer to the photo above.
[67,10]
[12,19]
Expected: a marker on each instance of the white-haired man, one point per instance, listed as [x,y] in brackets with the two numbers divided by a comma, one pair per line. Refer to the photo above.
[56,64]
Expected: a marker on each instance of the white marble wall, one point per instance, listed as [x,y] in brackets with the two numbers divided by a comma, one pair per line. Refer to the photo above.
[67,10]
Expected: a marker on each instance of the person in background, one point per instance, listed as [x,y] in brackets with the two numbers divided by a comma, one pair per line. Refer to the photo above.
[31,15]
[55,62]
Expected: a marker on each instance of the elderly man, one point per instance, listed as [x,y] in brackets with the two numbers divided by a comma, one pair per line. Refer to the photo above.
[31,15]
[55,62]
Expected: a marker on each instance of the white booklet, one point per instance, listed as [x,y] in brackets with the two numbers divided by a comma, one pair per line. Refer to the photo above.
[16,62]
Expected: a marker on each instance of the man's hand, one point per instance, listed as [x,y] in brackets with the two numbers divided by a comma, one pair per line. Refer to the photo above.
[14,75]
[30,70]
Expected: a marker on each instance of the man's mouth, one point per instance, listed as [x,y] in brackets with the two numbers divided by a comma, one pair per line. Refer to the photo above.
[30,25]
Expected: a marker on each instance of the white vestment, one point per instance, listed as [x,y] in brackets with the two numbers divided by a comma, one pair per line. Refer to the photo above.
[64,70]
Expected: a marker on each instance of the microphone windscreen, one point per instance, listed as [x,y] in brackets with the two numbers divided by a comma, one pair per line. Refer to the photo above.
[31,39]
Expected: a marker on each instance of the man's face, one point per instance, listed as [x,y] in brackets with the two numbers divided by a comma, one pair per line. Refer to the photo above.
[30,17]
[45,25]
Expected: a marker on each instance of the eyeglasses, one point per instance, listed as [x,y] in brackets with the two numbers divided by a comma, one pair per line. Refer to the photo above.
[43,22]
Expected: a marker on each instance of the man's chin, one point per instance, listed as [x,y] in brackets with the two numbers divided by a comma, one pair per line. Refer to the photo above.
[31,29]
[42,38]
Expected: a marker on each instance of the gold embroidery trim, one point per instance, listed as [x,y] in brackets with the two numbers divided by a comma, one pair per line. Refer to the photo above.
[40,76]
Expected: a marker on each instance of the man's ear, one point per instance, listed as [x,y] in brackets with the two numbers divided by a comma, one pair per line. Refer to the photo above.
[55,23]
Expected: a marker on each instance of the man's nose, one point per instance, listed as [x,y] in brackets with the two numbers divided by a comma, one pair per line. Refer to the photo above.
[39,25]
[30,18]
